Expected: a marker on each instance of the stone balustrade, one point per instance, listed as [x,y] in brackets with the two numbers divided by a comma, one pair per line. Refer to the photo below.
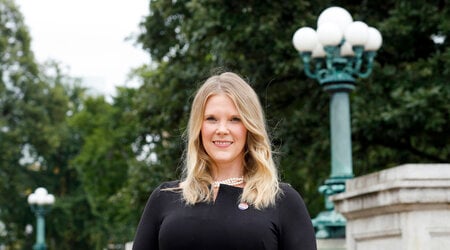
[402,208]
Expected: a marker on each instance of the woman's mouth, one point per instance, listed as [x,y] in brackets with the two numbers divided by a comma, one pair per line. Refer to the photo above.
[222,143]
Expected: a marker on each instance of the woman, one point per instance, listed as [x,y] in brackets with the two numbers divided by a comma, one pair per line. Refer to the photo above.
[230,196]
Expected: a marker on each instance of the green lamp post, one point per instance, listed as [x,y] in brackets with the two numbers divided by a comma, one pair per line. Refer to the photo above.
[40,202]
[335,54]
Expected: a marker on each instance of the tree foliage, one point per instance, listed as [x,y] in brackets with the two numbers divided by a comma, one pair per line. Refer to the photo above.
[22,121]
[36,141]
[108,132]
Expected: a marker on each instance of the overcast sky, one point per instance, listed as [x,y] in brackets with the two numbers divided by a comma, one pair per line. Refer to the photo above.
[88,36]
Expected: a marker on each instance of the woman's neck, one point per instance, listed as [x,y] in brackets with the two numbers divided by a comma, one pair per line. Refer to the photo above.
[223,172]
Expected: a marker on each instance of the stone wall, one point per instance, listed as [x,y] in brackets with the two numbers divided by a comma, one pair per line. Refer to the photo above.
[402,208]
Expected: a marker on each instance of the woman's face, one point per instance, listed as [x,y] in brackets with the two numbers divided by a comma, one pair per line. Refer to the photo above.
[223,133]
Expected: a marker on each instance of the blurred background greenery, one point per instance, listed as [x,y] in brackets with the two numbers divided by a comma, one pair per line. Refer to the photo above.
[102,158]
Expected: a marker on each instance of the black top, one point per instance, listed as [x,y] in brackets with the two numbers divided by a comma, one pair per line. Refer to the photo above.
[167,223]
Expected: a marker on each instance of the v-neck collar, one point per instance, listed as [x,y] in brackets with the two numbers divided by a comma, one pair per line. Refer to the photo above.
[227,193]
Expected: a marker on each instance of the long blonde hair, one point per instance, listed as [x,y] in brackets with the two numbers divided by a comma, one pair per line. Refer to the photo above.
[260,173]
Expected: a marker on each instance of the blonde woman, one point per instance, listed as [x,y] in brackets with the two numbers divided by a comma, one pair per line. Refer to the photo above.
[230,196]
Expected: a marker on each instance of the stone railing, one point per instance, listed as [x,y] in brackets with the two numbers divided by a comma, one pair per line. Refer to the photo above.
[402,208]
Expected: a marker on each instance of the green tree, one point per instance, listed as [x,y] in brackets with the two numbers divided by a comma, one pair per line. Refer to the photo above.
[107,132]
[398,114]
[35,140]
[70,214]
[21,120]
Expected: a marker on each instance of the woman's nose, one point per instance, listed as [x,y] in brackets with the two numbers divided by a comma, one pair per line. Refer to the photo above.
[222,128]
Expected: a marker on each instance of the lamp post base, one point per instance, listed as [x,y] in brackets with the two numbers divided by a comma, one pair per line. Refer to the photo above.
[39,246]
[330,224]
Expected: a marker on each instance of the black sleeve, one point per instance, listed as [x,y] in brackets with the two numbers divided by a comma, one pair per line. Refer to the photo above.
[296,232]
[146,237]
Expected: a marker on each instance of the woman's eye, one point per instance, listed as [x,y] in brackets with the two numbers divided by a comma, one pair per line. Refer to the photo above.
[210,118]
[235,119]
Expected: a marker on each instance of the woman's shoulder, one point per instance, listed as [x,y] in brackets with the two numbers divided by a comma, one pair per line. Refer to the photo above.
[288,192]
[290,200]
[164,190]
[286,187]
[169,185]
[165,186]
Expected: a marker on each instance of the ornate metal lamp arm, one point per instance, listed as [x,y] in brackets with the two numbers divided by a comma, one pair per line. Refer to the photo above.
[306,57]
[359,50]
[370,56]
[330,58]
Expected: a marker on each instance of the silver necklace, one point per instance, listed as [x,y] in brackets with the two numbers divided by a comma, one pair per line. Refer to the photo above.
[230,181]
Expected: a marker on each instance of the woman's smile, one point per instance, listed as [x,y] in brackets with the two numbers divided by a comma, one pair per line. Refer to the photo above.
[222,143]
